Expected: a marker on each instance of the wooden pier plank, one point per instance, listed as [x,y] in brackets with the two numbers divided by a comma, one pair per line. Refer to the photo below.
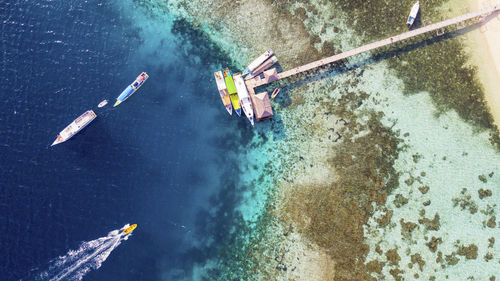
[385,42]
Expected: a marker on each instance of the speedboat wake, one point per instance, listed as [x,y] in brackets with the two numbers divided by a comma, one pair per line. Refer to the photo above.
[90,255]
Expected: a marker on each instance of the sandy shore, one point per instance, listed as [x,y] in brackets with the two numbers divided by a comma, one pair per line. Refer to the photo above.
[483,45]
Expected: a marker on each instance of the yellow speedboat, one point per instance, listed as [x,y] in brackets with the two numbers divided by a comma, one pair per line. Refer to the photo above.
[129,229]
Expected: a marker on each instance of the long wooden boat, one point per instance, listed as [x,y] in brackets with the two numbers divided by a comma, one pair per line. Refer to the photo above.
[76,126]
[224,95]
[245,101]
[231,89]
[139,81]
[258,61]
[261,68]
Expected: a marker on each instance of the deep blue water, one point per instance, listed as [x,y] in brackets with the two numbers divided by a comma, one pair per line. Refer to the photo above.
[159,159]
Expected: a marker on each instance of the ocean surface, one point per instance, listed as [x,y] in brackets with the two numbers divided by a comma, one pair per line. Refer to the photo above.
[161,159]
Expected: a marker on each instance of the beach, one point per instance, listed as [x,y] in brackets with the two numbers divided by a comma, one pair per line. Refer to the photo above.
[482,44]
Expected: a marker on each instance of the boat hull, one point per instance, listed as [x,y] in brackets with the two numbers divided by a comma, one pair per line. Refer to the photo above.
[224,95]
[244,97]
[231,89]
[236,103]
[258,61]
[263,67]
[129,229]
[413,14]
[75,127]
[132,88]
[226,100]
[248,110]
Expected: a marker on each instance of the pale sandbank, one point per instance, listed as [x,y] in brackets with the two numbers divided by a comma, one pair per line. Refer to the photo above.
[483,44]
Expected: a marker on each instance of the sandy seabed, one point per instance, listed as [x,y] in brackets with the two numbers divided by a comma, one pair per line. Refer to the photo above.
[483,45]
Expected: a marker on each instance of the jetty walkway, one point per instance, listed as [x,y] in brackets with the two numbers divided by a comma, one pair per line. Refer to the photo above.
[271,75]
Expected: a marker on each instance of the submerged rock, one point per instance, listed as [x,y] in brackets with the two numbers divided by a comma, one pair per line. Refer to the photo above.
[385,219]
[491,242]
[492,222]
[424,189]
[484,193]
[452,259]
[400,200]
[396,274]
[430,224]
[375,266]
[483,178]
[407,228]
[433,244]
[393,256]
[470,252]
[488,256]
[416,258]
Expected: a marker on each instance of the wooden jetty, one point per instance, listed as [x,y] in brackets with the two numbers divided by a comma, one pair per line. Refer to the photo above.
[271,75]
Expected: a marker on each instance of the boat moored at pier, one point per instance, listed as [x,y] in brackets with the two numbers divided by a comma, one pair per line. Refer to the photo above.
[76,126]
[263,67]
[224,94]
[258,61]
[231,89]
[413,14]
[139,81]
[245,101]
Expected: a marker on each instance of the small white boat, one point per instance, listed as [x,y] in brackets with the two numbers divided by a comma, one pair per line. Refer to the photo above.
[245,101]
[102,103]
[258,61]
[413,14]
[76,126]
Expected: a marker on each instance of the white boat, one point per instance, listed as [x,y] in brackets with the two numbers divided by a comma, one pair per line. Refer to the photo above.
[258,61]
[76,126]
[413,14]
[261,68]
[224,94]
[245,101]
[102,103]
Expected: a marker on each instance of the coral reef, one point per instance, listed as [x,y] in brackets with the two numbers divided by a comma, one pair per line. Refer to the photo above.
[470,252]
[433,244]
[459,89]
[484,193]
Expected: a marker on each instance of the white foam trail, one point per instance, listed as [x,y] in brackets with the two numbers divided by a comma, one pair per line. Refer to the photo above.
[90,255]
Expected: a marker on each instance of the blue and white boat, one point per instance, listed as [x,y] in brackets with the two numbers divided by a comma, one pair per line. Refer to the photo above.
[132,88]
[413,14]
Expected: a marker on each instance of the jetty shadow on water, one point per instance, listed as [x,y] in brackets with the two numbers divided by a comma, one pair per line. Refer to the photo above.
[364,59]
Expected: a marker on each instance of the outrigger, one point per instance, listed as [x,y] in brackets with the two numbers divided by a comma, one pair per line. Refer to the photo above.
[132,88]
